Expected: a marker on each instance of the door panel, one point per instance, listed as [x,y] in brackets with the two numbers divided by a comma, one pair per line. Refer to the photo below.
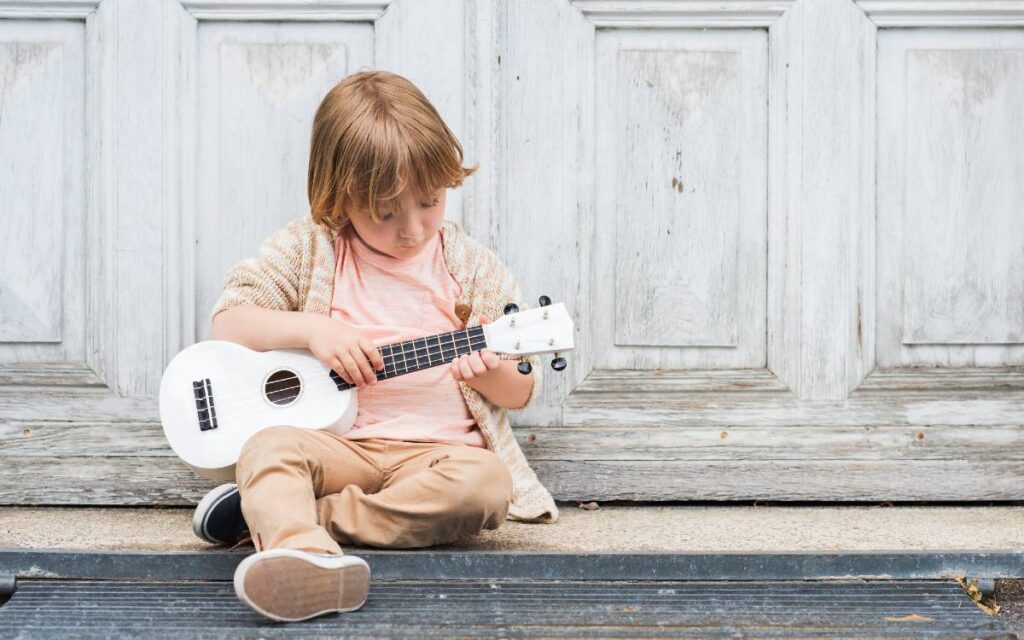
[258,88]
[951,188]
[42,191]
[681,169]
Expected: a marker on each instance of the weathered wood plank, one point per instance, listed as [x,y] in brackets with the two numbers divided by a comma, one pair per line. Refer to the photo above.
[67,374]
[84,440]
[830,480]
[85,404]
[722,380]
[679,381]
[166,482]
[908,408]
[821,157]
[979,443]
[73,480]
[952,379]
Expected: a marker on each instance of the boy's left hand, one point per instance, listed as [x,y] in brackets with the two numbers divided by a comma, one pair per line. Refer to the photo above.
[477,364]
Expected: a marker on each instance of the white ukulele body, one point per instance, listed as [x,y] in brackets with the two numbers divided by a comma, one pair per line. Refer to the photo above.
[238,382]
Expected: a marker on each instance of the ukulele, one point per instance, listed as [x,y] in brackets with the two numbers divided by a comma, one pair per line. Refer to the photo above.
[215,394]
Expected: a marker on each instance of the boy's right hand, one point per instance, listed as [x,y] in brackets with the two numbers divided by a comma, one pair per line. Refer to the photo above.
[346,350]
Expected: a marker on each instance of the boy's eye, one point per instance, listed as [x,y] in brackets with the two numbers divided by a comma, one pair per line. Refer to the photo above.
[387,216]
[430,204]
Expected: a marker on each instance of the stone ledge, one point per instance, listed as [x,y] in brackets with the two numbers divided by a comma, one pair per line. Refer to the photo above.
[609,529]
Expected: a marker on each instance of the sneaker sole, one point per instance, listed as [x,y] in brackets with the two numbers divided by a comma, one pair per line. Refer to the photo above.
[289,585]
[205,507]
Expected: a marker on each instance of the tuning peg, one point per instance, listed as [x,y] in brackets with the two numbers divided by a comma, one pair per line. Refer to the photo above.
[524,368]
[511,308]
[544,301]
[558,363]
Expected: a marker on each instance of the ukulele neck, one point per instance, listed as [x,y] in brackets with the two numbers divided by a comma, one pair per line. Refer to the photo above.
[414,355]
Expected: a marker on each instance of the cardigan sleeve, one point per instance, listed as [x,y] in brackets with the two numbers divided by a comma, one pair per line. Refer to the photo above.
[270,279]
[499,287]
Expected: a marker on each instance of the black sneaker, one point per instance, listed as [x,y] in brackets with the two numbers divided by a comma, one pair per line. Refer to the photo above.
[218,518]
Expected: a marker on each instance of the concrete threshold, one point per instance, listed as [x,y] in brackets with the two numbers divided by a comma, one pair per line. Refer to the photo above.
[608,529]
[612,542]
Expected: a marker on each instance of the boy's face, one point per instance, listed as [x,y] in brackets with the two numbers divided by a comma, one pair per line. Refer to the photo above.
[401,235]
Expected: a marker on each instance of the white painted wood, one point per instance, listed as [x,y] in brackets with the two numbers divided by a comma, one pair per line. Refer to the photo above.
[631,442]
[290,10]
[951,187]
[944,13]
[48,373]
[832,480]
[47,9]
[258,87]
[934,408]
[627,463]
[533,91]
[788,374]
[101,173]
[821,248]
[681,178]
[426,43]
[41,190]
[677,14]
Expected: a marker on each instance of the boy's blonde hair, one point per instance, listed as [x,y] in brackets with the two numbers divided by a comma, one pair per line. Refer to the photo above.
[374,134]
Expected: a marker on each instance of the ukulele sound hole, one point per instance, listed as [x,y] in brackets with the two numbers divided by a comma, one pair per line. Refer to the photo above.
[282,387]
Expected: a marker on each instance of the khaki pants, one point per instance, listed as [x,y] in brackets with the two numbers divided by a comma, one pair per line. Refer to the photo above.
[310,489]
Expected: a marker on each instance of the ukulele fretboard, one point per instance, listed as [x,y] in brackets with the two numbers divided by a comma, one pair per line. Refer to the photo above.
[401,358]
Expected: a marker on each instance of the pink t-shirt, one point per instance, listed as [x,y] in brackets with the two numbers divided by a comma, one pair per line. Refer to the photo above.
[393,300]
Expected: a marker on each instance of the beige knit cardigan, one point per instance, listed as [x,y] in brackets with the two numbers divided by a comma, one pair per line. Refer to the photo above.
[295,271]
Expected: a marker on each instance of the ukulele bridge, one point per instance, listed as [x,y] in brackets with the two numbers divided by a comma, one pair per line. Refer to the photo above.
[203,391]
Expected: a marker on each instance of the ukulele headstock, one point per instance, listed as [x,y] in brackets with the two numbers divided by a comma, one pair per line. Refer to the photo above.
[544,329]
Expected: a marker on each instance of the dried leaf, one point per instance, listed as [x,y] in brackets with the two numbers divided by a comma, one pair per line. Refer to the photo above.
[909,618]
[246,539]
[972,590]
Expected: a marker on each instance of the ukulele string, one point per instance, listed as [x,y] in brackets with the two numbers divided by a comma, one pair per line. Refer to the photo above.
[325,382]
[326,370]
[315,382]
[406,355]
[232,398]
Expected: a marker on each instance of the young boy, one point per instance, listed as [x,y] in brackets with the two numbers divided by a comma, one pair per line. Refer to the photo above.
[431,457]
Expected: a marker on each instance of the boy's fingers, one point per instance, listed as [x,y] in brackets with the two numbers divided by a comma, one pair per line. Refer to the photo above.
[353,369]
[365,368]
[339,369]
[477,364]
[372,353]
[467,371]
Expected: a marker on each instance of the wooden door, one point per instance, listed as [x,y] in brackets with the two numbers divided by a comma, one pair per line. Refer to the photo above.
[145,146]
[793,233]
[790,231]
